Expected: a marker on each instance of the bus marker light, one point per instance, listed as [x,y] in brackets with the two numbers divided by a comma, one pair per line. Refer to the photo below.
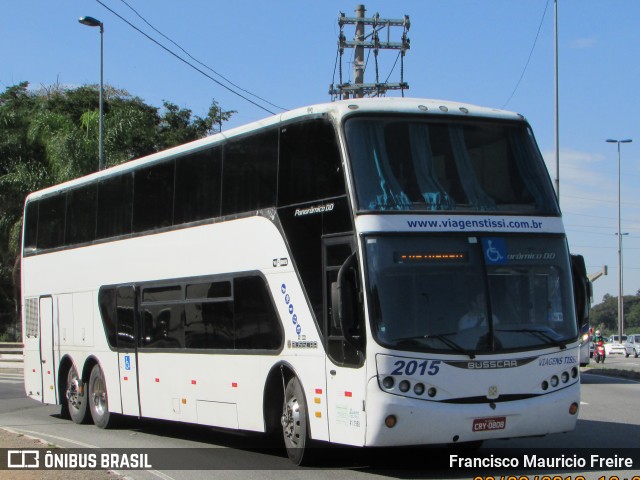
[193,382]
[184,401]
[390,421]
[234,384]
[316,400]
[318,414]
[573,409]
[318,391]
[126,378]
[348,394]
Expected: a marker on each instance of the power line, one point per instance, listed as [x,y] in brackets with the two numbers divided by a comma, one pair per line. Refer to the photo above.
[198,61]
[530,54]
[185,61]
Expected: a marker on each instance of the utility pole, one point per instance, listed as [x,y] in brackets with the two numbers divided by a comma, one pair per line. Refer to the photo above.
[372,42]
[358,61]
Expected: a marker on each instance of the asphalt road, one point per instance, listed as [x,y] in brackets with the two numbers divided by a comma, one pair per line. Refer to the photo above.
[609,417]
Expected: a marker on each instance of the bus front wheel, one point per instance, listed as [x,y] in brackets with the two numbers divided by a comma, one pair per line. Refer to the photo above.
[295,428]
[76,394]
[98,399]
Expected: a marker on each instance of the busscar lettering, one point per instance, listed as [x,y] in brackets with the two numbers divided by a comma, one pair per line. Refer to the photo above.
[489,364]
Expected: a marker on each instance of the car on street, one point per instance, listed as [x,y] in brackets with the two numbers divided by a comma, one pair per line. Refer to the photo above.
[613,347]
[632,346]
[614,339]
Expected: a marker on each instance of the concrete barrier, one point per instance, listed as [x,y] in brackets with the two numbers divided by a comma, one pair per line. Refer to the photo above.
[11,356]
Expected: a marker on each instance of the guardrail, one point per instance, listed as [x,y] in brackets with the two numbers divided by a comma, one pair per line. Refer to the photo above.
[11,356]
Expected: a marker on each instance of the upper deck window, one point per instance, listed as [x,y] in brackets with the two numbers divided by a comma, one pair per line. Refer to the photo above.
[433,165]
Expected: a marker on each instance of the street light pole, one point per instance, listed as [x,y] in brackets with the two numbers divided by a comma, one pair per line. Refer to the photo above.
[92,22]
[620,292]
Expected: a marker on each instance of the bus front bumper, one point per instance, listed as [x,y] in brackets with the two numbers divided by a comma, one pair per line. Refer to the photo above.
[420,422]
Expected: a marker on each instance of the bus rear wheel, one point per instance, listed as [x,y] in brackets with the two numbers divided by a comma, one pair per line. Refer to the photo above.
[295,428]
[98,399]
[76,395]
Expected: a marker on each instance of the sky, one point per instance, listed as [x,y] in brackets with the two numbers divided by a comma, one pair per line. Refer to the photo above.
[494,53]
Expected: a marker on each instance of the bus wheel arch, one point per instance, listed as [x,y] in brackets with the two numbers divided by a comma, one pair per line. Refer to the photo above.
[286,412]
[273,397]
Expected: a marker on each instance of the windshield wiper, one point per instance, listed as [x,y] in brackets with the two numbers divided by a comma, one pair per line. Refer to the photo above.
[443,338]
[540,335]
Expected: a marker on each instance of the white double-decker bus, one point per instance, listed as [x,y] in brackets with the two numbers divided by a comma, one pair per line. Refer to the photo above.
[373,272]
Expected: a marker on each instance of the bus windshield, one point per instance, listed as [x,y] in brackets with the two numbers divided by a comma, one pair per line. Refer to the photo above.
[418,164]
[470,295]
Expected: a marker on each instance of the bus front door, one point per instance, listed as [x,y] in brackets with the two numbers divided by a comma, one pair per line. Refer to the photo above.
[127,341]
[344,334]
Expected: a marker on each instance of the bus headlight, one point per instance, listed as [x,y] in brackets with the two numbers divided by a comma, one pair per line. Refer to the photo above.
[404,386]
[418,389]
[554,381]
[388,383]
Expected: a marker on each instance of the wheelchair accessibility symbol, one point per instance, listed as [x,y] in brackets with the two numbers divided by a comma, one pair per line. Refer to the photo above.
[495,251]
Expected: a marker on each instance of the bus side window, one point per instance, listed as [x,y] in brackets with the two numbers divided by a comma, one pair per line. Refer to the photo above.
[151,210]
[81,214]
[249,173]
[115,202]
[31,225]
[51,221]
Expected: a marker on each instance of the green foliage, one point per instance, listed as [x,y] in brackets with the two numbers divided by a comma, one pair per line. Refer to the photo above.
[604,316]
[51,136]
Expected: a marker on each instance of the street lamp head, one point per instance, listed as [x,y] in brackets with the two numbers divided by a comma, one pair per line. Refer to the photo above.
[90,21]
[626,140]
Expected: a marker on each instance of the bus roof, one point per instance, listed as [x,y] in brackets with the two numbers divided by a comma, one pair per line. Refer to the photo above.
[337,110]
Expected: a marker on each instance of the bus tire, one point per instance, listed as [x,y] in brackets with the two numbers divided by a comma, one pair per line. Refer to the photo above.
[76,397]
[295,426]
[98,399]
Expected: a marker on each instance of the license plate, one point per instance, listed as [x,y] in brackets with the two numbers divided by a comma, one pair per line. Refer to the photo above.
[487,424]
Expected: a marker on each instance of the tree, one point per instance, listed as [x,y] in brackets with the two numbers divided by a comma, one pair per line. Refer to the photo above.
[51,135]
